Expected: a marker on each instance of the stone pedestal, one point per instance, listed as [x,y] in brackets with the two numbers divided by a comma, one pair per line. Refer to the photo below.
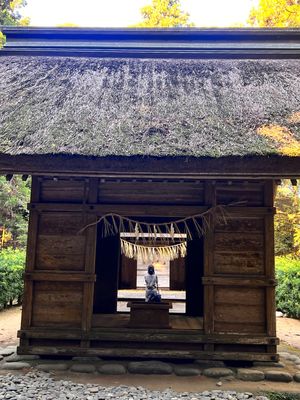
[149,315]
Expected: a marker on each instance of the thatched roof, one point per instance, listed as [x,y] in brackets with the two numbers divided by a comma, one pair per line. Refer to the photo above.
[101,107]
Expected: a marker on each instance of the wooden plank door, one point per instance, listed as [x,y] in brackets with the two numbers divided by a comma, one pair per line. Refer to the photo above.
[177,274]
[128,273]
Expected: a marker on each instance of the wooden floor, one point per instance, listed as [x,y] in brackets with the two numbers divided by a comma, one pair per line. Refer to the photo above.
[121,320]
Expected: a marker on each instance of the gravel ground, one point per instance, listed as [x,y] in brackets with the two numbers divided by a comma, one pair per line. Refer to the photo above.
[41,386]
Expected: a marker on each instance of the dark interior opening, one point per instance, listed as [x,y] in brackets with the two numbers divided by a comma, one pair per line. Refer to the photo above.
[114,271]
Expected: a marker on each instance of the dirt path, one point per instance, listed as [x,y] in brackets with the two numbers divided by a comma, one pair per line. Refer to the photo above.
[10,321]
[288,330]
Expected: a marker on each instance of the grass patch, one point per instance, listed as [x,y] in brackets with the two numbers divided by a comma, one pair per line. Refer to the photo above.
[282,395]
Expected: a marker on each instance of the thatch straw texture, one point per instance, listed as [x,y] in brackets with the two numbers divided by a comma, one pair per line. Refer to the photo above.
[126,107]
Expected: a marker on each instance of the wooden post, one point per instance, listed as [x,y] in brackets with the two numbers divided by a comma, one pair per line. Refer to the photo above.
[90,256]
[269,260]
[208,320]
[30,254]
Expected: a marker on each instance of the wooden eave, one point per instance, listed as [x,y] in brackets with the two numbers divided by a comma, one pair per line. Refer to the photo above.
[272,167]
[153,43]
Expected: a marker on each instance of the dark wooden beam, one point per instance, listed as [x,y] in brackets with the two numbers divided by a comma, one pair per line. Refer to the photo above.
[272,167]
[153,43]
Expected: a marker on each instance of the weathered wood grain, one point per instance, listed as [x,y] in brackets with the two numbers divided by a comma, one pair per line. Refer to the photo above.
[151,192]
[239,295]
[232,241]
[62,190]
[243,263]
[51,223]
[128,273]
[57,304]
[148,353]
[177,274]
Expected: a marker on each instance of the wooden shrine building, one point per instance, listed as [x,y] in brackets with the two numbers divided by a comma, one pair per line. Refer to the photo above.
[156,126]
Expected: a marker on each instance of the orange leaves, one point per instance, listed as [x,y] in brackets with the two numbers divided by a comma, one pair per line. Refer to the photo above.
[282,137]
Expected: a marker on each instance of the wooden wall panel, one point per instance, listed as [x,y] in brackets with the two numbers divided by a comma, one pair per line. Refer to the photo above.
[242,224]
[239,246]
[63,190]
[60,252]
[247,194]
[60,223]
[239,309]
[241,250]
[232,241]
[59,246]
[57,304]
[151,192]
[244,263]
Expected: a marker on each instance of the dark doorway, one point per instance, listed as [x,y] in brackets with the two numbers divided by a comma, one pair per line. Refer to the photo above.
[193,274]
[116,272]
[107,274]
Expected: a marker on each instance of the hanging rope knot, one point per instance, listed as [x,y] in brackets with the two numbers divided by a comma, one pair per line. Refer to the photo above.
[153,239]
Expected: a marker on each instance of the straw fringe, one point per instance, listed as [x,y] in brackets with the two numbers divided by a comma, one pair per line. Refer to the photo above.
[149,253]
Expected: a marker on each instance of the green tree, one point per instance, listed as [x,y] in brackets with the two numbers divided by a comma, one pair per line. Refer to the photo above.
[14,196]
[287,220]
[276,13]
[164,14]
[10,12]
[10,15]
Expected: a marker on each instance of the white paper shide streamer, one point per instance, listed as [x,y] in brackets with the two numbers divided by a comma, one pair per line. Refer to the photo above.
[150,253]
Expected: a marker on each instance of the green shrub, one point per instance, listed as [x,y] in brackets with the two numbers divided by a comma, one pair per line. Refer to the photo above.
[281,395]
[12,263]
[288,286]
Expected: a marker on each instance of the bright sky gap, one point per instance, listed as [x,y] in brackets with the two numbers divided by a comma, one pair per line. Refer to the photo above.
[124,13]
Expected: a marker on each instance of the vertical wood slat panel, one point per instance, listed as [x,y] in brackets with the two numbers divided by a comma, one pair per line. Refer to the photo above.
[269,260]
[30,254]
[90,257]
[208,318]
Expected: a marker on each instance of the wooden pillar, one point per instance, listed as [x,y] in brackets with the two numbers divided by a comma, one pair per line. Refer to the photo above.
[269,259]
[208,317]
[30,255]
[90,256]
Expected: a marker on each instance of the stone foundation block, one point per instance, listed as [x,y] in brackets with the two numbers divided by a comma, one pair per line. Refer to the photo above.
[278,376]
[112,369]
[150,367]
[251,375]
[217,372]
[15,365]
[86,368]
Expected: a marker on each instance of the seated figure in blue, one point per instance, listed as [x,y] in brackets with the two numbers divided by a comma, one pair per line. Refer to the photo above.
[152,295]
